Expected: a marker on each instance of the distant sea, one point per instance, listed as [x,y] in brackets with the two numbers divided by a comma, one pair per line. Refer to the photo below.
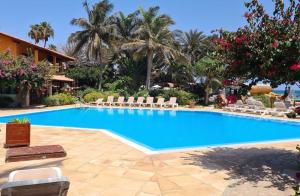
[295,93]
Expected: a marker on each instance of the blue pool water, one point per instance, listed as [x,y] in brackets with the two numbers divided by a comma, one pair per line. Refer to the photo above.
[162,130]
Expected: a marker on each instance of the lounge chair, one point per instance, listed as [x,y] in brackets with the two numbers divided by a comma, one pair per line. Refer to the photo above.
[232,107]
[279,109]
[97,102]
[258,108]
[160,102]
[172,102]
[38,182]
[110,101]
[239,106]
[139,101]
[130,101]
[120,101]
[149,102]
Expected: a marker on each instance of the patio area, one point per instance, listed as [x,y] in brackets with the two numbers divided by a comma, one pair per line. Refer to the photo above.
[98,164]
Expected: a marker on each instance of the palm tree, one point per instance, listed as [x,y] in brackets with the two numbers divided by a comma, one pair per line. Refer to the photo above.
[96,34]
[96,30]
[35,33]
[193,45]
[52,47]
[153,39]
[126,24]
[46,31]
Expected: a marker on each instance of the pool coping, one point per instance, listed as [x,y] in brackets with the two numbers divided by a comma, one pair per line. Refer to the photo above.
[146,149]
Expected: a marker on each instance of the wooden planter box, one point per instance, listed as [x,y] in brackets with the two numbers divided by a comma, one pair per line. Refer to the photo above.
[17,135]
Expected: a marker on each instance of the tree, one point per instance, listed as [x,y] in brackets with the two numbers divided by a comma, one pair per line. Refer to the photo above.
[84,74]
[193,45]
[42,31]
[22,74]
[209,71]
[52,47]
[46,31]
[96,30]
[267,49]
[96,34]
[153,39]
[35,33]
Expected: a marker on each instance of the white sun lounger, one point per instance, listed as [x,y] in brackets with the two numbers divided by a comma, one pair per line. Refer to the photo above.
[38,182]
[130,101]
[98,102]
[149,102]
[172,102]
[232,107]
[280,109]
[160,102]
[139,101]
[259,108]
[239,106]
[120,101]
[110,101]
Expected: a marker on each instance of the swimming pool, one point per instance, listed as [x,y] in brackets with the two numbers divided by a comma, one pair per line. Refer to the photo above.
[169,130]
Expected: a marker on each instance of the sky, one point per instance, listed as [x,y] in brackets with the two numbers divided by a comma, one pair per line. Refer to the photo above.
[16,16]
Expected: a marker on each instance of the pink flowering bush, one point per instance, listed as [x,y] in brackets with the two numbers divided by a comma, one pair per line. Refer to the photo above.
[266,49]
[21,73]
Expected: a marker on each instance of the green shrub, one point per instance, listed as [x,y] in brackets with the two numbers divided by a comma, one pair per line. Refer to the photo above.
[142,93]
[264,99]
[82,93]
[93,96]
[5,101]
[59,99]
[183,97]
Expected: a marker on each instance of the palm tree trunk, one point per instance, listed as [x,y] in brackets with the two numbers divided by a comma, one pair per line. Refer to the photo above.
[45,43]
[100,81]
[149,68]
[207,90]
[23,96]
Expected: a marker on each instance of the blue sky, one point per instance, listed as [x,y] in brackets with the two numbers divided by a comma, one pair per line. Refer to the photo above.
[205,15]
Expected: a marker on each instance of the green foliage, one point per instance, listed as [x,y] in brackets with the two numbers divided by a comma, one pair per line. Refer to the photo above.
[209,68]
[82,93]
[291,115]
[264,99]
[122,86]
[20,121]
[5,101]
[142,93]
[59,99]
[93,96]
[85,75]
[183,97]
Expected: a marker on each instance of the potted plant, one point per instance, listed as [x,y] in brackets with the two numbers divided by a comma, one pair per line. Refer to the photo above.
[17,133]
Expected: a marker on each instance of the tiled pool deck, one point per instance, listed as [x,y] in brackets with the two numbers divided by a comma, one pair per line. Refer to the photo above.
[98,164]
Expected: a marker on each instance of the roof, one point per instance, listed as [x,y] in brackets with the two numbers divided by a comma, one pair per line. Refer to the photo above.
[58,54]
[61,78]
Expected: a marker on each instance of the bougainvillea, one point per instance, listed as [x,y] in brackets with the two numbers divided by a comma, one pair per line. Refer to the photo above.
[22,73]
[266,49]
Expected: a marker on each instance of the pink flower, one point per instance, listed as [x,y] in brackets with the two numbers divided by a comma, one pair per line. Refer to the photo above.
[241,39]
[275,44]
[295,67]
